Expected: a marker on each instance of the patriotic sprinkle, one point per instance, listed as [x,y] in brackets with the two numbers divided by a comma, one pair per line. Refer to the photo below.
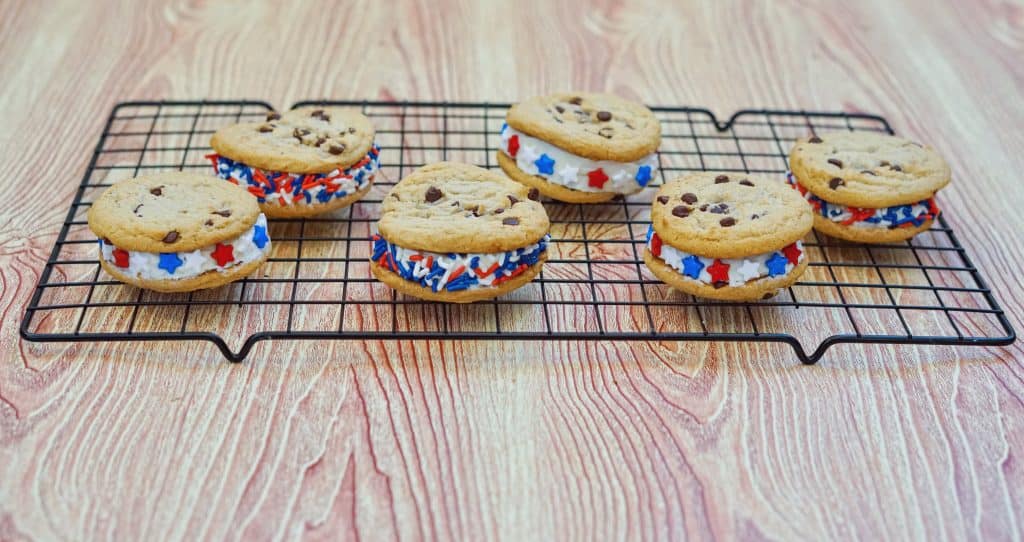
[247,247]
[537,157]
[455,271]
[296,188]
[899,216]
[727,271]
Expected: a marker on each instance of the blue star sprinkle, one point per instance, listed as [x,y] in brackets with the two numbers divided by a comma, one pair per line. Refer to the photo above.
[643,175]
[545,164]
[169,262]
[776,265]
[259,236]
[692,266]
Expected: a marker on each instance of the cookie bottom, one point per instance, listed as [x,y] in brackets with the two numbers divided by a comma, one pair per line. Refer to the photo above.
[209,279]
[302,210]
[396,281]
[868,235]
[551,190]
[755,290]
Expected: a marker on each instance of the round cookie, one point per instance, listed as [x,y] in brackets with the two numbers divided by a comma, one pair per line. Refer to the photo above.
[869,235]
[867,169]
[728,236]
[305,140]
[580,147]
[171,212]
[301,163]
[178,232]
[458,233]
[729,215]
[575,122]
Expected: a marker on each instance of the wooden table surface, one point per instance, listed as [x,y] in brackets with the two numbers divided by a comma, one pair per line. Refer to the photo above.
[442,440]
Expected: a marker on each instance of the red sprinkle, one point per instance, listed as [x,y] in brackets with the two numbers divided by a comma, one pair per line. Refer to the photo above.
[455,274]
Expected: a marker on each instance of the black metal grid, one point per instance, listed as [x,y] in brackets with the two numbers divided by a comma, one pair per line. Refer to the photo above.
[317,283]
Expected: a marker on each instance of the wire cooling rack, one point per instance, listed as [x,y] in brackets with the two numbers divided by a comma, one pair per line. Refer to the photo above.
[594,286]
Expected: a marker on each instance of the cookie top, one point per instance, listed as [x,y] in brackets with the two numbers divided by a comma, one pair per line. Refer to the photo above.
[172,212]
[867,169]
[451,207]
[594,126]
[729,215]
[305,140]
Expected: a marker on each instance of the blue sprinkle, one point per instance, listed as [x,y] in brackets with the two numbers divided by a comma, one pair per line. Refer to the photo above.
[776,265]
[474,262]
[643,175]
[169,262]
[324,196]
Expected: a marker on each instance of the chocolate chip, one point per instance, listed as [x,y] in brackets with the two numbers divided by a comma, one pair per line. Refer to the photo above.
[316,112]
[836,162]
[158,191]
[299,132]
[704,207]
[320,141]
[273,115]
[510,221]
[604,116]
[681,211]
[512,200]
[264,128]
[690,197]
[869,172]
[836,183]
[720,284]
[135,211]
[727,222]
[721,179]
[223,212]
[606,132]
[433,194]
[720,209]
[575,100]
[768,295]
[208,223]
[455,203]
[336,149]
[663,200]
[746,182]
[351,130]
[884,163]
[474,209]
[106,240]
[319,113]
[896,168]
[533,194]
[560,109]
[171,237]
[499,210]
[755,217]
[814,139]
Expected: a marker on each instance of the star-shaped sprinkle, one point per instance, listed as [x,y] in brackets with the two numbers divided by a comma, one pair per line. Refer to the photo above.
[719,271]
[748,270]
[224,254]
[121,258]
[569,174]
[529,154]
[656,245]
[513,145]
[259,236]
[776,265]
[692,266]
[545,164]
[597,178]
[620,177]
[169,262]
[792,253]
[643,175]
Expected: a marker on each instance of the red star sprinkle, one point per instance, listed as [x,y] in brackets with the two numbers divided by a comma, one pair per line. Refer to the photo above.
[224,254]
[719,271]
[656,245]
[792,253]
[513,146]
[858,214]
[597,178]
[121,258]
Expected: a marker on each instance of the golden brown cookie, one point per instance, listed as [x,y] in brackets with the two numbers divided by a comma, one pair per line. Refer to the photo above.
[727,236]
[178,232]
[459,233]
[301,163]
[580,148]
[867,169]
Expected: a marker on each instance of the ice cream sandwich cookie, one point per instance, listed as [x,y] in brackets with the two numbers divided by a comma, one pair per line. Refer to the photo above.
[178,232]
[727,236]
[866,186]
[304,162]
[580,147]
[458,233]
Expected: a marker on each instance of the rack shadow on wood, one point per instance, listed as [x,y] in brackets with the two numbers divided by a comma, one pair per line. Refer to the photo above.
[317,284]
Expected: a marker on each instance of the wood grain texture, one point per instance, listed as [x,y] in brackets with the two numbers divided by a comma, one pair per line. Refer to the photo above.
[441,440]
